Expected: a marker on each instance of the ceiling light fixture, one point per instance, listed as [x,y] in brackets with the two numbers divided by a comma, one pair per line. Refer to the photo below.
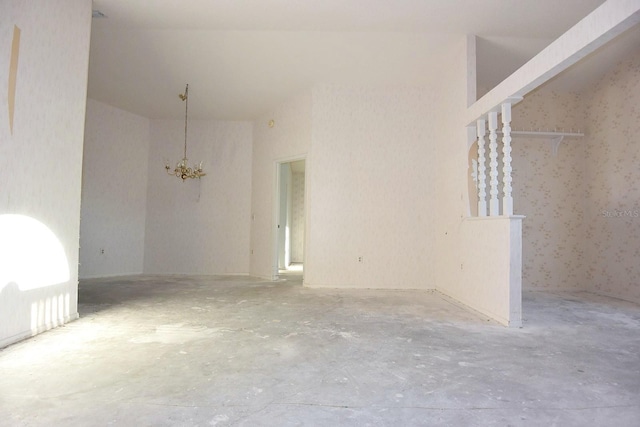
[182,169]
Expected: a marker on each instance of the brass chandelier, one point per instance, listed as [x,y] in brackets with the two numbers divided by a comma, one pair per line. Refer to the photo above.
[182,169]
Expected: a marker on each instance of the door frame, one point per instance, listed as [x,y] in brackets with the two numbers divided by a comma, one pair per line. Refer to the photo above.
[275,271]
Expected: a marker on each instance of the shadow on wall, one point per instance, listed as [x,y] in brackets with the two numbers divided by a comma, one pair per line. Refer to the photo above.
[45,313]
[31,258]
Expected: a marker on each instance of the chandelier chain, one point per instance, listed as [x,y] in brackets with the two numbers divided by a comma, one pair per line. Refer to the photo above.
[182,169]
[186,114]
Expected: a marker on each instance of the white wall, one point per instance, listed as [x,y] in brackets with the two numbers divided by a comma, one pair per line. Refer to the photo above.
[114,192]
[40,164]
[479,261]
[371,193]
[199,226]
[288,139]
[451,177]
[483,269]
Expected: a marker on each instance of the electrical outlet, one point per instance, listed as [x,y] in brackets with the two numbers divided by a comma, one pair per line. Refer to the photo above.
[101,251]
[359,259]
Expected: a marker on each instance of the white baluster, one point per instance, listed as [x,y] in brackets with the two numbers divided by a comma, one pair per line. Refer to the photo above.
[507,199]
[482,178]
[494,204]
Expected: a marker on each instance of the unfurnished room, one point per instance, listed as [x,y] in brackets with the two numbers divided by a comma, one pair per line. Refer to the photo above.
[305,213]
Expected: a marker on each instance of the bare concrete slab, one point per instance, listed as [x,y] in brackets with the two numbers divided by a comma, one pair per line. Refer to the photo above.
[203,351]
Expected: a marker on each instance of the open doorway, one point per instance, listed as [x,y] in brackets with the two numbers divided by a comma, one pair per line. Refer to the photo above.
[290,218]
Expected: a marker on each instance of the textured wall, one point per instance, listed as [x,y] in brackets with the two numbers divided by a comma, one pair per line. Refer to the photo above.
[289,139]
[41,163]
[370,188]
[114,192]
[297,217]
[612,237]
[493,283]
[451,198]
[199,226]
[549,190]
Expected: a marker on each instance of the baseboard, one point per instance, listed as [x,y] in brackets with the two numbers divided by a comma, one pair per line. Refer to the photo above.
[624,298]
[110,276]
[348,286]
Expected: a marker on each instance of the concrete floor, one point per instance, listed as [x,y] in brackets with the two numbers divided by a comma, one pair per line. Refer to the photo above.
[203,351]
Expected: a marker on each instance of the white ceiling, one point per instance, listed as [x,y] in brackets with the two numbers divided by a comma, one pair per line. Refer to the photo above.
[498,57]
[244,57]
[586,72]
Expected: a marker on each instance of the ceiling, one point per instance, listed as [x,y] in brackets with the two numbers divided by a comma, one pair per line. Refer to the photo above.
[498,57]
[242,58]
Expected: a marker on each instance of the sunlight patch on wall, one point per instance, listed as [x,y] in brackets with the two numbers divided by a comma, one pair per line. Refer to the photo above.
[30,254]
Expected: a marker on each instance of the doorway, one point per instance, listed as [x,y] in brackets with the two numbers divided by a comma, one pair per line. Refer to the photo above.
[290,218]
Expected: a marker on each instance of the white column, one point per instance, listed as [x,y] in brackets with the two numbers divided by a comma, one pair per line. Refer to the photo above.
[482,177]
[507,199]
[494,204]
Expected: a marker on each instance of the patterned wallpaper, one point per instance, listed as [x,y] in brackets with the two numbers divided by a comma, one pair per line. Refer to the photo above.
[549,190]
[613,183]
[582,229]
[297,217]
